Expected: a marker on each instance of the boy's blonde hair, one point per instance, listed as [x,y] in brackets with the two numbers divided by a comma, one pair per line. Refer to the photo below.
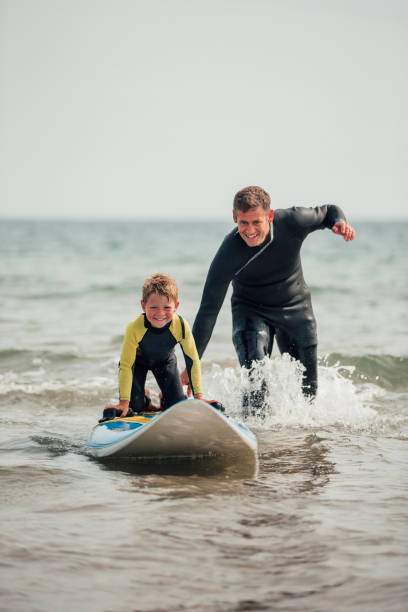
[161,284]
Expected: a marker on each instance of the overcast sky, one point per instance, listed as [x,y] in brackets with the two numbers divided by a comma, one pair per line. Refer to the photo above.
[165,108]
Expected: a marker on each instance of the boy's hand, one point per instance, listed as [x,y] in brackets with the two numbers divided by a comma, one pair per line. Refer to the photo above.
[185,381]
[201,397]
[123,406]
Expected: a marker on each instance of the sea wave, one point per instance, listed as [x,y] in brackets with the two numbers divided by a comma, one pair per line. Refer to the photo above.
[386,371]
[330,289]
[9,354]
[63,294]
[34,361]
[43,391]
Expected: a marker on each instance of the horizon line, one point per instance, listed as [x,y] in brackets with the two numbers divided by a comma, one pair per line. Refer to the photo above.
[124,219]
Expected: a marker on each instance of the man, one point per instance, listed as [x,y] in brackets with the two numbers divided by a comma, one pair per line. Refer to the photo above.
[270,297]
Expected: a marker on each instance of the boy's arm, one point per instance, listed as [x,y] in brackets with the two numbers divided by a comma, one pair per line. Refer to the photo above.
[127,359]
[192,360]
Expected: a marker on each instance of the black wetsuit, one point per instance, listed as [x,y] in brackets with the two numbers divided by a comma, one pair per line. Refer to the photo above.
[270,296]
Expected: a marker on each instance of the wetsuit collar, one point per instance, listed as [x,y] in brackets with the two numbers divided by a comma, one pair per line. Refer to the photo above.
[155,330]
[266,243]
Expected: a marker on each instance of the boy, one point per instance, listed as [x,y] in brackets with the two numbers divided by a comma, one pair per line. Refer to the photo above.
[149,345]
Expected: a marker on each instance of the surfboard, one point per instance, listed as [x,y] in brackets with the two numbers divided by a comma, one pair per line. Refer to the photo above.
[190,429]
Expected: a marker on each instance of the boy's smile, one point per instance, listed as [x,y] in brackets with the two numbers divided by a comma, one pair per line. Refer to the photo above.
[159,309]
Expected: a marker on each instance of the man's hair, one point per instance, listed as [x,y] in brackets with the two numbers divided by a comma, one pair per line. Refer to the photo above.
[252,197]
[161,284]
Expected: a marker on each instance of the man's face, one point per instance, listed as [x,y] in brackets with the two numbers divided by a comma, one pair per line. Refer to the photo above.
[253,225]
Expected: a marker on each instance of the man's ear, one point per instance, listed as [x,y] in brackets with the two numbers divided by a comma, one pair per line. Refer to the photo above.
[143,306]
[270,216]
[234,216]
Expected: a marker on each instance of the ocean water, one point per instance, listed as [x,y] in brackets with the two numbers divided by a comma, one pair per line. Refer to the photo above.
[323,522]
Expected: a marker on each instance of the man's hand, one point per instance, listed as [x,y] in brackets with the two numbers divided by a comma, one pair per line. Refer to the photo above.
[185,381]
[344,229]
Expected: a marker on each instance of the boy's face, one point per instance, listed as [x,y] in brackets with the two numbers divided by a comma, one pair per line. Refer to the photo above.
[253,225]
[159,309]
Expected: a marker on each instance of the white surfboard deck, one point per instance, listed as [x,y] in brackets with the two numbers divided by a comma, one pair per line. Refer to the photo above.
[192,428]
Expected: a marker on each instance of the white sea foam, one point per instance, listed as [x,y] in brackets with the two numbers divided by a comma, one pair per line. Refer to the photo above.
[338,403]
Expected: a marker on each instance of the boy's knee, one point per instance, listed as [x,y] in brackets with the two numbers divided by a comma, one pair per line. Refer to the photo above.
[139,402]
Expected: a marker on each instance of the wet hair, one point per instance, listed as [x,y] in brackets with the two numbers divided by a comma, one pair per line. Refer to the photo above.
[161,284]
[250,198]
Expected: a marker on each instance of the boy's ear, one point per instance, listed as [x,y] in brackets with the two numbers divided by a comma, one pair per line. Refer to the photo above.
[143,306]
[176,305]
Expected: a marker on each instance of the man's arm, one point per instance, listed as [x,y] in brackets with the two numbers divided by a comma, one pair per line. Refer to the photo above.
[216,285]
[306,220]
[218,279]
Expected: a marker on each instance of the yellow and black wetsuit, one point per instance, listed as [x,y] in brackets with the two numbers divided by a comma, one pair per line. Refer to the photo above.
[150,348]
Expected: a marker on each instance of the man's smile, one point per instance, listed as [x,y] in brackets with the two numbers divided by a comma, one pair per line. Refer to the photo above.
[253,225]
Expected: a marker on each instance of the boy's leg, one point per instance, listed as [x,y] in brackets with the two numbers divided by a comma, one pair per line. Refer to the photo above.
[137,395]
[168,379]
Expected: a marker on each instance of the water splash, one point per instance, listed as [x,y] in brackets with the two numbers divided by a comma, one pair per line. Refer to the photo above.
[339,402]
